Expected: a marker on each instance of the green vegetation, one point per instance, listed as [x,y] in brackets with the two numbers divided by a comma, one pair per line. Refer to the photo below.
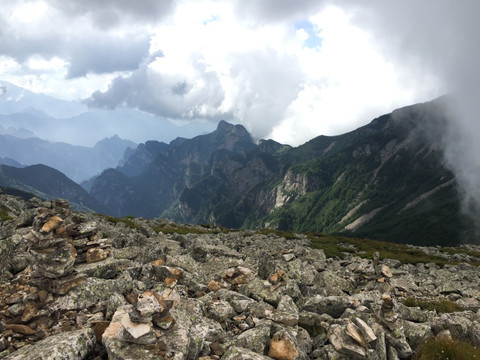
[286,234]
[336,246]
[440,306]
[182,230]
[351,174]
[127,220]
[4,215]
[450,250]
[442,348]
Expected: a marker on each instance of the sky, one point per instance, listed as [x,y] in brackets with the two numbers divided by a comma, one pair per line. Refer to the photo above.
[287,70]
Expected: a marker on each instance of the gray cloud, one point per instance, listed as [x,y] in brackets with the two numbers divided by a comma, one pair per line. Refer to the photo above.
[277,10]
[90,53]
[106,14]
[84,33]
[106,54]
[266,83]
[166,95]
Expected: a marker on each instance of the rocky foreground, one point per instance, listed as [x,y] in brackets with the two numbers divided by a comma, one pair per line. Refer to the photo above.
[84,286]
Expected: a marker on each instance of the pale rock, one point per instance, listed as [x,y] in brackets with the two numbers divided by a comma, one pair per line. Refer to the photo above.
[352,330]
[385,270]
[29,312]
[150,302]
[52,223]
[344,344]
[135,329]
[288,257]
[239,275]
[367,332]
[213,286]
[97,254]
[282,347]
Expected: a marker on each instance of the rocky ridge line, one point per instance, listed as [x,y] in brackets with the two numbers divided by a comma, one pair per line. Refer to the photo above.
[81,286]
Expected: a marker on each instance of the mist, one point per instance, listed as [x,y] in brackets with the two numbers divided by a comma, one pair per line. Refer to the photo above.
[438,37]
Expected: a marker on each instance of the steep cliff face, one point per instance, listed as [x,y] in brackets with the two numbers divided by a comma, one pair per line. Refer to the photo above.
[156,175]
[295,185]
[385,180]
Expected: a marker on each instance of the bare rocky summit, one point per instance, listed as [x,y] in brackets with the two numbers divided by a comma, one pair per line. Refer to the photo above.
[86,286]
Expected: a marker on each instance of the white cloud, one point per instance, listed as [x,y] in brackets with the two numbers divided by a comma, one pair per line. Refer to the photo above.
[289,72]
[29,12]
[265,75]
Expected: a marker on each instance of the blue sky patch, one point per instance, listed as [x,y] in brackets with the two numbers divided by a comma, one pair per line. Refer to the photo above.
[313,41]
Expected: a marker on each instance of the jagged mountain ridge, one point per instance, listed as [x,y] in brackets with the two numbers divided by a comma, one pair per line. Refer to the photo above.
[177,166]
[385,180]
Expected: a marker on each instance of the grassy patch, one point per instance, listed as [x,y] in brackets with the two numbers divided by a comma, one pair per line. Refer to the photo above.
[440,306]
[182,230]
[447,349]
[125,220]
[4,215]
[280,233]
[332,246]
[179,230]
[459,250]
[337,245]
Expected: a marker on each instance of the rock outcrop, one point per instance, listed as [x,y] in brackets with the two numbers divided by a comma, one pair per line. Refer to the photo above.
[85,286]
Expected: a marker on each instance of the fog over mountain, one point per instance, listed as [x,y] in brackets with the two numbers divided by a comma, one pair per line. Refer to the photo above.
[26,114]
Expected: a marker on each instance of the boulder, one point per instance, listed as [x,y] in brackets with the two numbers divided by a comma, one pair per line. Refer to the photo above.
[72,345]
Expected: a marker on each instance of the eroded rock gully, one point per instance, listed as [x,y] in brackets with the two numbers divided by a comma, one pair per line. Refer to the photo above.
[81,286]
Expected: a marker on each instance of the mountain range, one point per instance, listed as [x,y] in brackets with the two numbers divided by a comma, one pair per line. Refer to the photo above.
[79,163]
[386,180]
[47,183]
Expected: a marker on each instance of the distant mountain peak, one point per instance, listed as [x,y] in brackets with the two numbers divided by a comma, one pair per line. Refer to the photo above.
[226,128]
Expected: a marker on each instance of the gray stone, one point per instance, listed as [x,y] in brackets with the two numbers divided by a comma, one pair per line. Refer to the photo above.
[256,339]
[416,333]
[331,305]
[239,353]
[220,310]
[72,345]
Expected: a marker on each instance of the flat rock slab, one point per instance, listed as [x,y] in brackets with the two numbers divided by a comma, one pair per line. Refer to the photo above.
[72,345]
